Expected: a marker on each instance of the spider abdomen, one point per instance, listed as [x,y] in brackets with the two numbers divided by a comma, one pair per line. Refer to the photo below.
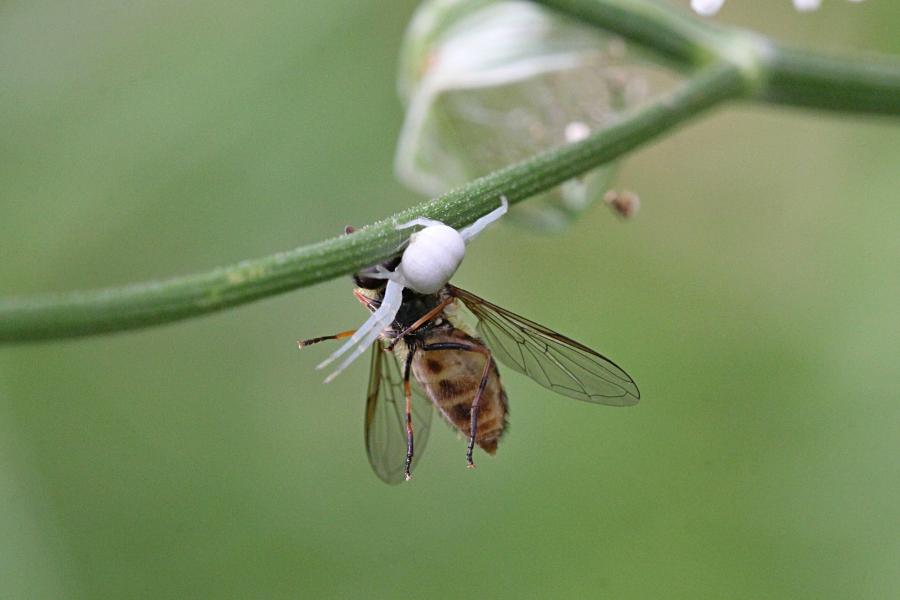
[432,257]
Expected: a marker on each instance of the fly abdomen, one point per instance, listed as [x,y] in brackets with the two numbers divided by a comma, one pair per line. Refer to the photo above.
[451,377]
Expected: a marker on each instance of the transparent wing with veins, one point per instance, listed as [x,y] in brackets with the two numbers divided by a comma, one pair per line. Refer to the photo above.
[552,360]
[386,417]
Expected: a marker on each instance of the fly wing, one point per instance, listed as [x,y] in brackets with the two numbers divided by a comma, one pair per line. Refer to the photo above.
[386,417]
[553,360]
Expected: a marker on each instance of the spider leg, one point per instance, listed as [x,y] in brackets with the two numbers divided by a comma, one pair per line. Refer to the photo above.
[370,330]
[423,221]
[379,272]
[468,233]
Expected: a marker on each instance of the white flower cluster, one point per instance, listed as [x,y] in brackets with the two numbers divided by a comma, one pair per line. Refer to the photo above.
[711,7]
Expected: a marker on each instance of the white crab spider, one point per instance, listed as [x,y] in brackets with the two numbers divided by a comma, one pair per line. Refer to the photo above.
[427,264]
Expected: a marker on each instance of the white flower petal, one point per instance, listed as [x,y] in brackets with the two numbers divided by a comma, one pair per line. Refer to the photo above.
[807,5]
[576,131]
[707,7]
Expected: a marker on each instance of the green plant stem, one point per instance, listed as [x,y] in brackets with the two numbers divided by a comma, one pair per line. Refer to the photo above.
[671,34]
[729,63]
[809,80]
[775,74]
[142,305]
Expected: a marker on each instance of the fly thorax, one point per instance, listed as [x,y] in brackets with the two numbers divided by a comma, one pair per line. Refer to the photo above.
[432,257]
[456,319]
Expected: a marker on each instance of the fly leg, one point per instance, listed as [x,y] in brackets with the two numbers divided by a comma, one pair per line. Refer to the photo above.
[316,340]
[427,317]
[409,425]
[476,402]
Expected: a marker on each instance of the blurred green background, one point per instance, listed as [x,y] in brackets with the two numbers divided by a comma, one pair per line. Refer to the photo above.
[754,299]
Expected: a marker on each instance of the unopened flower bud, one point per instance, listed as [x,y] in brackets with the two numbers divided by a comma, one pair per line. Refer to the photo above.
[488,84]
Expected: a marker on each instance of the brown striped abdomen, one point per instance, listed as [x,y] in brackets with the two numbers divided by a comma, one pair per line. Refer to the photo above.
[450,378]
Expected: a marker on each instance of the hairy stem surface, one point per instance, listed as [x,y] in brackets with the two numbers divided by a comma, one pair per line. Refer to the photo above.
[155,303]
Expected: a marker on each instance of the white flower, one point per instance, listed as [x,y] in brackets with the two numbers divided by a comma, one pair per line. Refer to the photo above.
[707,7]
[710,7]
[807,5]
